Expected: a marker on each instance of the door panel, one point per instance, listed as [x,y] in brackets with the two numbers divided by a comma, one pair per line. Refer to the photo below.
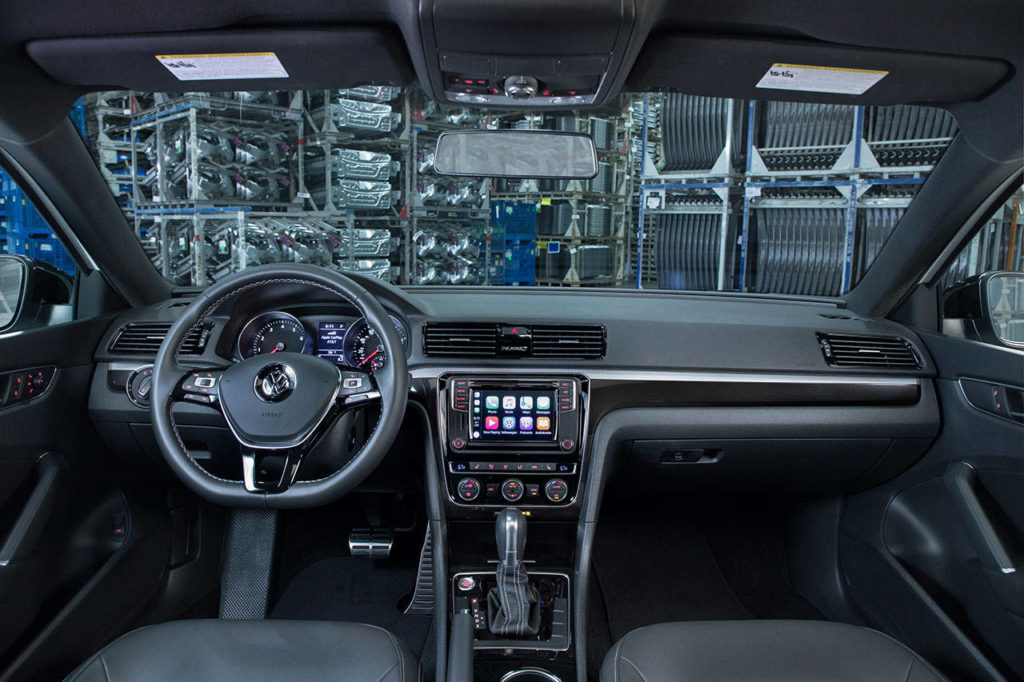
[53,476]
[936,556]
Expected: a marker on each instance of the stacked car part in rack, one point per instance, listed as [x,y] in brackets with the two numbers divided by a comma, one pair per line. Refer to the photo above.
[778,197]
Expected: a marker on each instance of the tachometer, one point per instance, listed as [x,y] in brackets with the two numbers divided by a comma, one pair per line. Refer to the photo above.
[363,347]
[273,333]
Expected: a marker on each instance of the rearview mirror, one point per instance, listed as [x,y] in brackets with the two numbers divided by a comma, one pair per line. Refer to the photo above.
[988,308]
[516,154]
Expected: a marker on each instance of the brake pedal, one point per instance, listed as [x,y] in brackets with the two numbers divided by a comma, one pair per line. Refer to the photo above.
[370,543]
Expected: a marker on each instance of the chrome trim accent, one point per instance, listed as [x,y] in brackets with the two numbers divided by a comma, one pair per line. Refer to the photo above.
[671,375]
[513,674]
[249,472]
[297,442]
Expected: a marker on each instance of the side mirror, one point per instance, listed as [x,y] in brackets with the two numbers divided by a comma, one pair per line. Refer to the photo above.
[32,294]
[988,308]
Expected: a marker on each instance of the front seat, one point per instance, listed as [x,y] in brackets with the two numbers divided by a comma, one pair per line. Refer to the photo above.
[757,651]
[252,651]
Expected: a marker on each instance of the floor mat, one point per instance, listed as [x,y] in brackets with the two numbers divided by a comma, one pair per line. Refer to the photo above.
[684,563]
[355,590]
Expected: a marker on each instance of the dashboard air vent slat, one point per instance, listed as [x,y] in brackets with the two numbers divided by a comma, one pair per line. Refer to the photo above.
[145,339]
[456,339]
[483,340]
[569,341]
[877,352]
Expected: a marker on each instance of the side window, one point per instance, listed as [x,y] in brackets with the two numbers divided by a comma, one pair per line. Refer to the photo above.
[983,287]
[23,231]
[37,273]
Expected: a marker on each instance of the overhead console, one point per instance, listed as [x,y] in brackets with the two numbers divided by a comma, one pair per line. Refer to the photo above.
[536,54]
[512,440]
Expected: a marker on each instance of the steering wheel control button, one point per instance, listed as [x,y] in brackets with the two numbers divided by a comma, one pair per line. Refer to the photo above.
[512,490]
[567,444]
[458,443]
[466,583]
[556,490]
[201,399]
[275,382]
[468,489]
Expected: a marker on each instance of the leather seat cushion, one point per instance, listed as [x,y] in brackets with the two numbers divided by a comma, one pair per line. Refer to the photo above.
[760,650]
[253,651]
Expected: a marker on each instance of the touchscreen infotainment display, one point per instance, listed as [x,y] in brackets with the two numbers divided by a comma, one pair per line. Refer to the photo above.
[502,414]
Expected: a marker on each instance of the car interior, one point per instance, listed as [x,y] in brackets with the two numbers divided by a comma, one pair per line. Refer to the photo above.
[538,341]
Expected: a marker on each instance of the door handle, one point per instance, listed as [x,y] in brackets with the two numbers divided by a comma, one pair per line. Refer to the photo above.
[1000,548]
[22,537]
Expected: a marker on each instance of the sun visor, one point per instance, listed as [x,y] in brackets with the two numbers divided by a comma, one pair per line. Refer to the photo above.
[288,59]
[806,71]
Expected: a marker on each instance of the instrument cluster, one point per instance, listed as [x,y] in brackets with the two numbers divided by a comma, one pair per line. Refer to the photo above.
[347,341]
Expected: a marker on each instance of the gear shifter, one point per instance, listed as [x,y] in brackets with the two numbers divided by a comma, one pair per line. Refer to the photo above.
[513,608]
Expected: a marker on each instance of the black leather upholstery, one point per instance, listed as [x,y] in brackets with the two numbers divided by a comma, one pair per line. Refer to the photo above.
[252,651]
[757,651]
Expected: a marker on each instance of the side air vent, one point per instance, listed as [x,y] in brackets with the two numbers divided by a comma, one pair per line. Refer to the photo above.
[145,339]
[503,340]
[876,352]
[586,342]
[457,340]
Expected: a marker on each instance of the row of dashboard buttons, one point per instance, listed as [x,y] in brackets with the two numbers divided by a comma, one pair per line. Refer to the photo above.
[514,467]
[461,397]
[566,443]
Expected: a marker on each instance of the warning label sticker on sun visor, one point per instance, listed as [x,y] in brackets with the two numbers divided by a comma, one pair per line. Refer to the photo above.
[213,67]
[820,79]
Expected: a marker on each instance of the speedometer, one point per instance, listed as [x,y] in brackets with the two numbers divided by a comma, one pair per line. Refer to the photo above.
[365,350]
[273,333]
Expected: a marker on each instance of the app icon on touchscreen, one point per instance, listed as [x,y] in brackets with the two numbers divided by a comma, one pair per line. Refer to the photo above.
[508,423]
[491,402]
[526,402]
[526,423]
[543,403]
[491,424]
[508,402]
[543,424]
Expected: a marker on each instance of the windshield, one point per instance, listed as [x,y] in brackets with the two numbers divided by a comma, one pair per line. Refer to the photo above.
[692,193]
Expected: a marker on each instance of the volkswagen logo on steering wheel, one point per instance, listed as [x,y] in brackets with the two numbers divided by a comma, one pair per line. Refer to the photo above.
[275,382]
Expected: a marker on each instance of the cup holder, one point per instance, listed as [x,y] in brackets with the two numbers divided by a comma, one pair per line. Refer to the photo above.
[529,675]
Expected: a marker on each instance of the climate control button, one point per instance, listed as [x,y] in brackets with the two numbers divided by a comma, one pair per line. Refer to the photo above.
[512,489]
[556,490]
[468,489]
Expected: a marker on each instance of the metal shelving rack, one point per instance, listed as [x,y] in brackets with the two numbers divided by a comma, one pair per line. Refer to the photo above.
[857,176]
[579,195]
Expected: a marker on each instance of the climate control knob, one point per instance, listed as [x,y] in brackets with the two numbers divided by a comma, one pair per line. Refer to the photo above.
[512,490]
[468,489]
[556,490]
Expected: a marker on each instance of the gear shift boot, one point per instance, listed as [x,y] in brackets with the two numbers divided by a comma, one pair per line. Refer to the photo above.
[513,609]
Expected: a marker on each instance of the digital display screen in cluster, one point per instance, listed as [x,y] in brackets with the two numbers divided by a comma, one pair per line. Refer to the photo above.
[512,415]
[330,341]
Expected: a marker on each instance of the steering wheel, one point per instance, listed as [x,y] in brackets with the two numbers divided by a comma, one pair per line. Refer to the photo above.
[278,405]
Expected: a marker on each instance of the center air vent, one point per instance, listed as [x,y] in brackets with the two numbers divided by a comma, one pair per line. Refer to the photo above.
[876,352]
[498,340]
[145,339]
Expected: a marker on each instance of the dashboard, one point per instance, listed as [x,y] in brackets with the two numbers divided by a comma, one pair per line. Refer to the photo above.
[344,340]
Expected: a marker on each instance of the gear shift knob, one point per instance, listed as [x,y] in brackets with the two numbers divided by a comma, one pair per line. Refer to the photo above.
[510,534]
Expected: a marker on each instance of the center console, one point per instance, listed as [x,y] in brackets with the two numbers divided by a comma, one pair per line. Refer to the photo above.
[512,441]
[512,453]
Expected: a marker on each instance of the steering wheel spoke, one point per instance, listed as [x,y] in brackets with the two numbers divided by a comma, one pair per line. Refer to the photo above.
[358,387]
